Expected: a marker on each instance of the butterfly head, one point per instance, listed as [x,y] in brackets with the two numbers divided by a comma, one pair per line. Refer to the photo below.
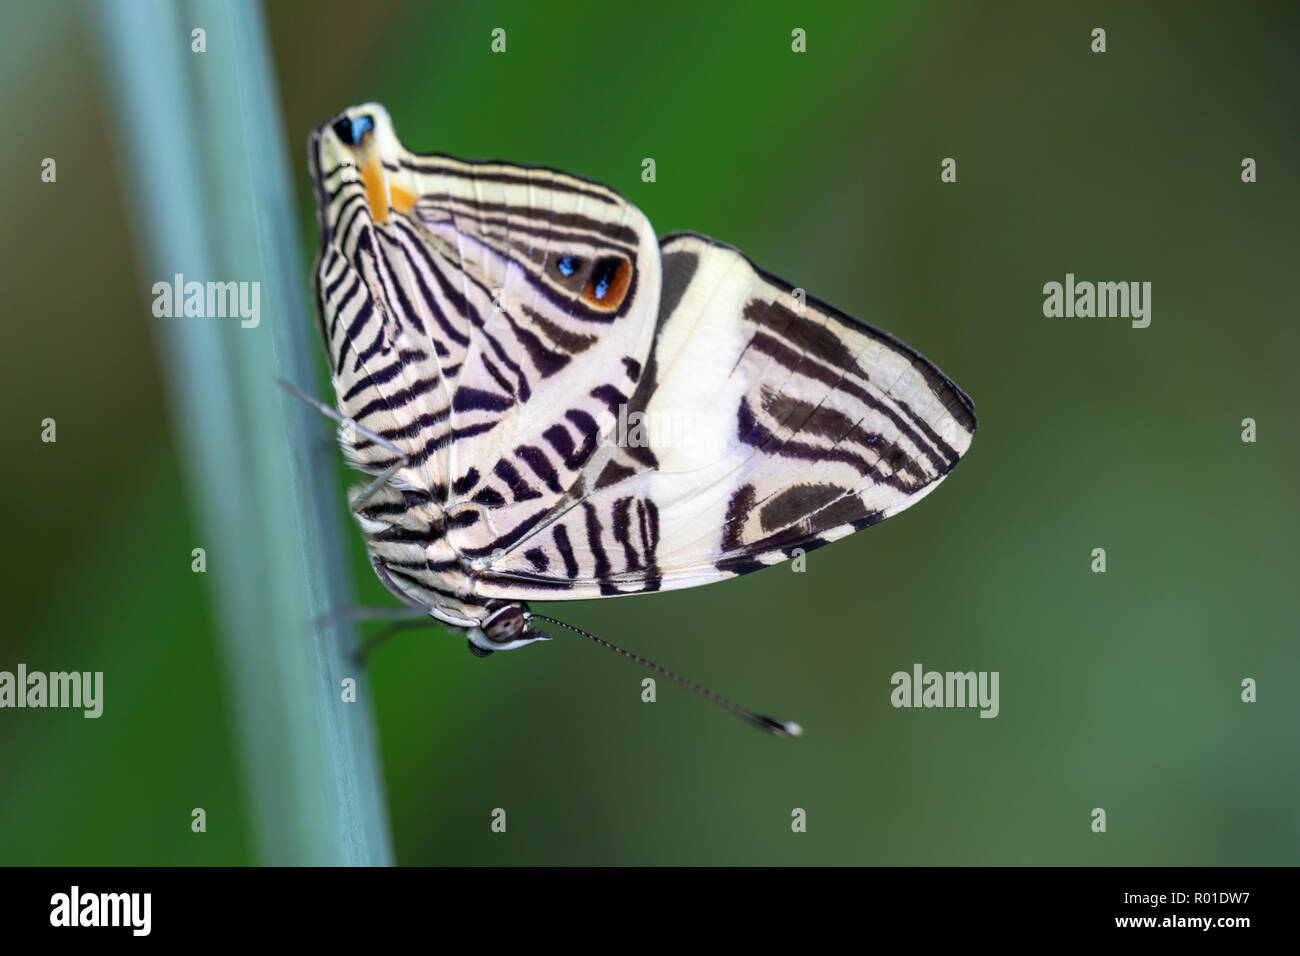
[508,625]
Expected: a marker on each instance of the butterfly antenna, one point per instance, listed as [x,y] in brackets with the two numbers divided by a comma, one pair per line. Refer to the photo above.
[782,728]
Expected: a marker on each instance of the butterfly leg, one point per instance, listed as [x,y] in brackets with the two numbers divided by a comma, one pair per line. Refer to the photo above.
[381,479]
[379,637]
[374,640]
[353,613]
[404,618]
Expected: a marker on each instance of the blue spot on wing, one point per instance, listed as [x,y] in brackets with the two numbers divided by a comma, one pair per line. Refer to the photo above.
[352,131]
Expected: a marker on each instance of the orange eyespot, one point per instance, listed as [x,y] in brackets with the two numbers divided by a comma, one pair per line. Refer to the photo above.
[608,284]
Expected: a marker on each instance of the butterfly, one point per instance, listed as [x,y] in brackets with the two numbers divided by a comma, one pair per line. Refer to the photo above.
[492,329]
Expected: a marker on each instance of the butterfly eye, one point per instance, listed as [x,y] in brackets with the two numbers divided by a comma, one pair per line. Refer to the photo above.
[352,131]
[608,283]
[506,624]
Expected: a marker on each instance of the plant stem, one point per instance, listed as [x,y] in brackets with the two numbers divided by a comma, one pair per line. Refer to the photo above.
[201,147]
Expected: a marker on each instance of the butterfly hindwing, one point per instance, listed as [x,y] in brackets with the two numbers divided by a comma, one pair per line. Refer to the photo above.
[765,422]
[559,281]
[483,317]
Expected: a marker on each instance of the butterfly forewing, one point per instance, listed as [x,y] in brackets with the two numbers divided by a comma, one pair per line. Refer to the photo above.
[774,422]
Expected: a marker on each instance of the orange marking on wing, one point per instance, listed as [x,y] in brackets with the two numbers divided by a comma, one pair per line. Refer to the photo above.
[372,174]
[615,289]
[403,199]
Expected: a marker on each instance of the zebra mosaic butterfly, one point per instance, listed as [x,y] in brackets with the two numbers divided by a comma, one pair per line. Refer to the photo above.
[489,326]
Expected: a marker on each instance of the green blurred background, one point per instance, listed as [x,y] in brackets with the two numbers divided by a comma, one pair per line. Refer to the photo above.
[1119,691]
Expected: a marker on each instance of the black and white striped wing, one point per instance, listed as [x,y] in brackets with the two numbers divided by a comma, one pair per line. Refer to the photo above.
[485,318]
[582,410]
[560,280]
[773,424]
